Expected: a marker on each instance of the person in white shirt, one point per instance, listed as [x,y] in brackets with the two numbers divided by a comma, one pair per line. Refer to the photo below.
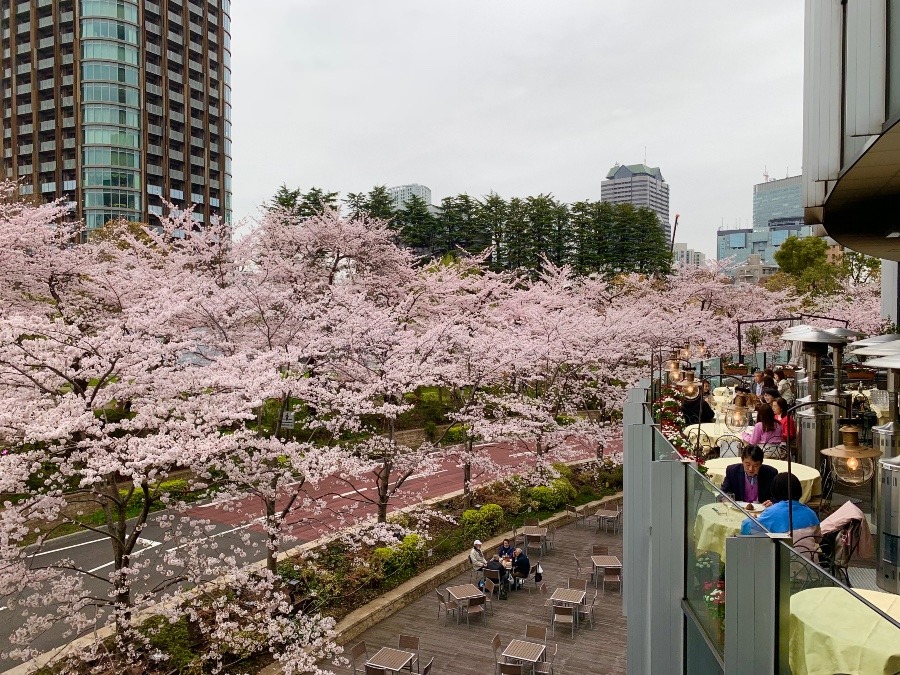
[476,557]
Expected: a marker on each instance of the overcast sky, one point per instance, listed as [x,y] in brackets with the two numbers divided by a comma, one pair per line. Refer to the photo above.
[518,97]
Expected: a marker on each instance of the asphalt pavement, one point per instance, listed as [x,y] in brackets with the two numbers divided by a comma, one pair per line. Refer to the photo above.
[238,523]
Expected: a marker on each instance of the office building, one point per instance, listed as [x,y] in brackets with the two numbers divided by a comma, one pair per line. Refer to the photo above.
[777,215]
[640,185]
[851,131]
[401,194]
[682,255]
[118,105]
[754,270]
[778,199]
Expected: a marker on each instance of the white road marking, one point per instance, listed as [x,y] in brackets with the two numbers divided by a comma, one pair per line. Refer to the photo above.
[224,532]
[216,502]
[152,544]
[426,475]
[347,494]
[519,454]
[66,548]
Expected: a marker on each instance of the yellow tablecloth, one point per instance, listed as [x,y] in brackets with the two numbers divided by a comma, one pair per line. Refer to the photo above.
[881,411]
[713,524]
[810,479]
[833,632]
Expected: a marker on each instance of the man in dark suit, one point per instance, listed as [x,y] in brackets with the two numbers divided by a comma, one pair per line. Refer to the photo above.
[750,480]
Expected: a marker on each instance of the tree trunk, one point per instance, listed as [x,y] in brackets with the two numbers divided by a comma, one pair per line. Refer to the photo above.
[271,537]
[467,477]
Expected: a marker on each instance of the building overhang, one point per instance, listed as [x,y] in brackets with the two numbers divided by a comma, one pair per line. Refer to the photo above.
[862,210]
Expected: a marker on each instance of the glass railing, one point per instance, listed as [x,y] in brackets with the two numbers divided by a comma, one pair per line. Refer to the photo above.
[711,518]
[663,450]
[835,629]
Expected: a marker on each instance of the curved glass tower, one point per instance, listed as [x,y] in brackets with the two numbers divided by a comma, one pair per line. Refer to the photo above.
[119,105]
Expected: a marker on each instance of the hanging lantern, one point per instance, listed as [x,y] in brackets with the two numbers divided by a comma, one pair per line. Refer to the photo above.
[685,352]
[853,464]
[737,415]
[689,388]
[701,349]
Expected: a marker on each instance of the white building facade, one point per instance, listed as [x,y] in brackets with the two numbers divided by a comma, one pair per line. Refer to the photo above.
[682,255]
[401,194]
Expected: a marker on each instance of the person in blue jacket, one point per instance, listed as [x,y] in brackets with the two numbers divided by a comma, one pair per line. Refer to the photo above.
[786,489]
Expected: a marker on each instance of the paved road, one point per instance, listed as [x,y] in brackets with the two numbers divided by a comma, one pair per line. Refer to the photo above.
[237,523]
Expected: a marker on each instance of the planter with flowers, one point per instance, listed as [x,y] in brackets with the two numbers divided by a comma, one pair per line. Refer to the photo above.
[714,597]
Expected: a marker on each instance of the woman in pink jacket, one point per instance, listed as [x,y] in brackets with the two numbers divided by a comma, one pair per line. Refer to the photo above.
[767,430]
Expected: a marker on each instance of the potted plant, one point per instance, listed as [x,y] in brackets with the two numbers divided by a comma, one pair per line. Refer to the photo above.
[729,368]
[714,597]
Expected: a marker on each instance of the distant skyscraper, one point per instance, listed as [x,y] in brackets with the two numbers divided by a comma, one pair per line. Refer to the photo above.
[682,255]
[640,185]
[401,193]
[777,199]
[118,104]
[777,215]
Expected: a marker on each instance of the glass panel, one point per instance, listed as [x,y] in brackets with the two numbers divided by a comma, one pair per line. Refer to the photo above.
[840,630]
[704,573]
[663,450]
[711,518]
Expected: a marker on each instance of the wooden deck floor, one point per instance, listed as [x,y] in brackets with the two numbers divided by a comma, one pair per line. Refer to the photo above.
[461,649]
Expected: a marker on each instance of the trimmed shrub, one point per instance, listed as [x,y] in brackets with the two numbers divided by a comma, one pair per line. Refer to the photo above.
[482,523]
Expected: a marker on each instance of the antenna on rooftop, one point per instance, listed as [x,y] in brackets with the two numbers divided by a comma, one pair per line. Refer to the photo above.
[765,174]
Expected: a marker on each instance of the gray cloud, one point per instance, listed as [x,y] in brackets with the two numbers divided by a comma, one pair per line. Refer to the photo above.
[518,97]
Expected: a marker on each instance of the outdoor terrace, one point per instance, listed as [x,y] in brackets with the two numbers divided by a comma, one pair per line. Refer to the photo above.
[462,649]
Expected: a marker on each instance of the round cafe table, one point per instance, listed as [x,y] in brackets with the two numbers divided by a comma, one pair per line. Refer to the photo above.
[833,632]
[810,479]
[714,523]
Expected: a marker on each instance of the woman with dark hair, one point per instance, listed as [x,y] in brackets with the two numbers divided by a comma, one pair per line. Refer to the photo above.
[699,410]
[786,489]
[766,430]
[788,429]
[769,383]
[769,394]
[784,386]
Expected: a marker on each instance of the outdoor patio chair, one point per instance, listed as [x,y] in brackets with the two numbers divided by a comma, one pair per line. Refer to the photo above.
[617,521]
[586,611]
[606,518]
[517,538]
[730,445]
[358,650]
[410,643]
[492,575]
[535,633]
[551,535]
[582,568]
[579,584]
[476,607]
[532,522]
[546,595]
[612,575]
[773,450]
[489,588]
[510,668]
[597,549]
[821,504]
[427,669]
[445,603]
[533,542]
[546,667]
[495,645]
[372,670]
[563,616]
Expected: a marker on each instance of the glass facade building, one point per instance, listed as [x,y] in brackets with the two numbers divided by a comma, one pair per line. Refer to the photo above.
[777,199]
[118,105]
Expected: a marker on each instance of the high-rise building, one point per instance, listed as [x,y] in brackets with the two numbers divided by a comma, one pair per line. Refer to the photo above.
[777,215]
[640,185]
[401,194]
[777,199]
[118,105]
[682,255]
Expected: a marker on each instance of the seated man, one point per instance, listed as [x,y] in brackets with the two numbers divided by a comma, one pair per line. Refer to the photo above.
[786,489]
[476,557]
[521,567]
[506,550]
[497,566]
[750,480]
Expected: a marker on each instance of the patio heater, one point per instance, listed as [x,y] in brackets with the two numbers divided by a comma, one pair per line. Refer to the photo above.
[815,424]
[841,398]
[801,381]
[886,437]
[888,541]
